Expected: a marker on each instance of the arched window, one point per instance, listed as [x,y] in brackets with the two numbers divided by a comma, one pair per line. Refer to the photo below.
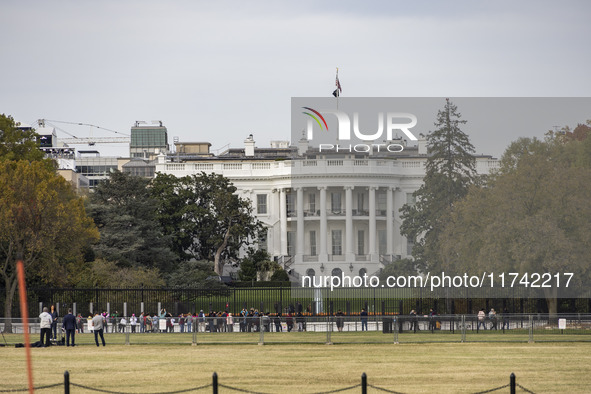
[362,272]
[310,272]
[337,272]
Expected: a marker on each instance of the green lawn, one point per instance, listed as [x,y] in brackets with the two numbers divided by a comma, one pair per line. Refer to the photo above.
[168,362]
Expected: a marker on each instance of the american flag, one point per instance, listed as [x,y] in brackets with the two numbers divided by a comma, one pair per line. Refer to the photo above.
[338,84]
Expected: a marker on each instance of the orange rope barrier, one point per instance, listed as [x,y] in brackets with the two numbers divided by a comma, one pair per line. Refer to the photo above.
[25,316]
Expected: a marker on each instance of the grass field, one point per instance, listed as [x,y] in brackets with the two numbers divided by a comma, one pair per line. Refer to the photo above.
[304,367]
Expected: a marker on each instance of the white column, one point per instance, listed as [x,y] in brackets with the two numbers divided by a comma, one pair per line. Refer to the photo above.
[300,221]
[283,221]
[399,198]
[372,223]
[389,221]
[322,255]
[349,251]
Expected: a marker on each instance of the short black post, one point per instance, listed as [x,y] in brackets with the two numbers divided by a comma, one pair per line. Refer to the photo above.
[363,383]
[512,383]
[214,383]
[66,382]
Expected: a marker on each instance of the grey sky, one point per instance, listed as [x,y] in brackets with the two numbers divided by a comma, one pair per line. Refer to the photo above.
[218,71]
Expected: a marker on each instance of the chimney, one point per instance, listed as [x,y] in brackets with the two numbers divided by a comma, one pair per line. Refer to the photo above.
[422,145]
[249,146]
[302,146]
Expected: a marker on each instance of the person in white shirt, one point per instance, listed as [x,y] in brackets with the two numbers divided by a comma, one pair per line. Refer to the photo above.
[45,325]
[122,324]
[133,322]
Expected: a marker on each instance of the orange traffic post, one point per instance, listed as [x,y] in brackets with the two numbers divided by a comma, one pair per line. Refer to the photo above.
[25,316]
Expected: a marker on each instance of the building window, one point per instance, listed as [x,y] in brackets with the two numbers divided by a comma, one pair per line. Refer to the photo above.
[312,202]
[262,241]
[310,272]
[335,202]
[360,242]
[410,199]
[381,203]
[337,272]
[382,241]
[360,203]
[262,204]
[290,243]
[362,272]
[290,202]
[337,248]
[313,251]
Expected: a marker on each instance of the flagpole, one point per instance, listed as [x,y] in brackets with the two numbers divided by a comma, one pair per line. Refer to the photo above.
[338,93]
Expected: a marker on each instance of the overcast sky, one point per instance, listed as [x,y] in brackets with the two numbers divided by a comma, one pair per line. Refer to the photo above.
[217,71]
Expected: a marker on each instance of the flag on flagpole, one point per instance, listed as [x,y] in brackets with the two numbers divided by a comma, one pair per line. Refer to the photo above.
[338,90]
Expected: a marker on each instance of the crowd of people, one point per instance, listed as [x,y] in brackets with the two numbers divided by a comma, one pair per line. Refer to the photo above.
[248,320]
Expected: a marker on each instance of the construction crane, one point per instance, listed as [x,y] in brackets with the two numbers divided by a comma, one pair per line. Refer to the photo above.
[90,140]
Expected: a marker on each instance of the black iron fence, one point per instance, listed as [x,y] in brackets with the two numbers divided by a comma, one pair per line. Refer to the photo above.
[277,299]
[298,329]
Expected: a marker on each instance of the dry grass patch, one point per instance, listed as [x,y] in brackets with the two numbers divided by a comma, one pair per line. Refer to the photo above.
[411,368]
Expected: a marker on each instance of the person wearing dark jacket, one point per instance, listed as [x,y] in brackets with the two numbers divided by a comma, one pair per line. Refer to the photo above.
[54,316]
[69,324]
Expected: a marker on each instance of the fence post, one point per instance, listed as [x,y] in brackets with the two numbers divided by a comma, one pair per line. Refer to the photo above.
[512,383]
[328,330]
[214,382]
[395,330]
[531,329]
[463,328]
[363,383]
[66,382]
[261,331]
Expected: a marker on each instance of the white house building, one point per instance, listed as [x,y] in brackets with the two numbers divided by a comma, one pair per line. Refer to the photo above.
[326,213]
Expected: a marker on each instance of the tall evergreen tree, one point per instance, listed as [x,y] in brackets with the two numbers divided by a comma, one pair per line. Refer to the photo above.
[450,170]
[125,213]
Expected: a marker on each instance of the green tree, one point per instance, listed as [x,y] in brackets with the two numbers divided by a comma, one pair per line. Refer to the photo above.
[17,144]
[534,216]
[450,170]
[191,274]
[204,217]
[125,212]
[102,273]
[43,222]
[279,275]
[397,268]
[257,265]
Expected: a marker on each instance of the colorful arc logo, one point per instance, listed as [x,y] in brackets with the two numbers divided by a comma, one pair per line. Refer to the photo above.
[315,118]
